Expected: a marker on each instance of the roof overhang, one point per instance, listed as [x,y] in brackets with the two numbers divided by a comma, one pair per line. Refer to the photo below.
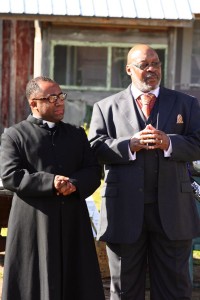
[100,21]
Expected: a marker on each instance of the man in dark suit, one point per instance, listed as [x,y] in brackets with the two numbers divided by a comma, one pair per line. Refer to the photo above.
[148,213]
[50,168]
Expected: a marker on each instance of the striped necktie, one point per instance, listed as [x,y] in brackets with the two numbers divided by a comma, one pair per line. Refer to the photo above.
[146,103]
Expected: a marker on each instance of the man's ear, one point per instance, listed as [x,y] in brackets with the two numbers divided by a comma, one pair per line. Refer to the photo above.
[33,104]
[128,70]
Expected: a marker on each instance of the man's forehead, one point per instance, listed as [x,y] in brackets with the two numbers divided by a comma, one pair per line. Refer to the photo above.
[141,54]
[47,84]
[48,87]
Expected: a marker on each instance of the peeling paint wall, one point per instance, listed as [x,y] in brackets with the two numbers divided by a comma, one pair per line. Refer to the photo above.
[17,69]
[5,95]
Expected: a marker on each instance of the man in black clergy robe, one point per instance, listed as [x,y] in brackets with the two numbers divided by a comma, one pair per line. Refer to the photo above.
[50,168]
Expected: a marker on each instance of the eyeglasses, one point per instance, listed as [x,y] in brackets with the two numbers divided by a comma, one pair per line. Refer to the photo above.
[53,98]
[144,66]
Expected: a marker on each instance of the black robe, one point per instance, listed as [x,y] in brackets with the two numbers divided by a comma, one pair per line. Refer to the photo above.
[50,251]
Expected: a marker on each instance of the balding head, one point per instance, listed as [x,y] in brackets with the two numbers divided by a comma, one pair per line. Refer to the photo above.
[140,50]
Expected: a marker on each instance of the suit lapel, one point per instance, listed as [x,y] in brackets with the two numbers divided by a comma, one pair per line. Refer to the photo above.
[127,110]
[166,103]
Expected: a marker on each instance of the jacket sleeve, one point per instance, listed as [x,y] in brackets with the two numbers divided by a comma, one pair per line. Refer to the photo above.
[17,178]
[108,149]
[87,178]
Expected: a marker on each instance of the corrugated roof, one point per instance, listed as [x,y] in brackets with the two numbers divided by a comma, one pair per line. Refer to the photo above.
[140,9]
[195,6]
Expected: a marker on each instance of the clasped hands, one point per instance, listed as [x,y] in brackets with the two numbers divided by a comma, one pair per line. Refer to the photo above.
[149,138]
[63,186]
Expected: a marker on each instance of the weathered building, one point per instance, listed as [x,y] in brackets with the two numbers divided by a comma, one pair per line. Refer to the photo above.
[83,45]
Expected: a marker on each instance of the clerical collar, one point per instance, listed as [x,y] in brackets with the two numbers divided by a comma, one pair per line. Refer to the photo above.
[50,124]
[136,93]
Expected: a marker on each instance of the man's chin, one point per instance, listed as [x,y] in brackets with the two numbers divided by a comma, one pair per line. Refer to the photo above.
[59,114]
[60,117]
[152,84]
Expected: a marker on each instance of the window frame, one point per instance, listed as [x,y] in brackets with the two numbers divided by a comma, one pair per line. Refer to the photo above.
[109,46]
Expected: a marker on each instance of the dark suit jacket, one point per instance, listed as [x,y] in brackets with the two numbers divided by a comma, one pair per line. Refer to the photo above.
[114,121]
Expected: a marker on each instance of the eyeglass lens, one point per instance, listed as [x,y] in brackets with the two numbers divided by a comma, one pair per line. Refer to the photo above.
[54,98]
[144,66]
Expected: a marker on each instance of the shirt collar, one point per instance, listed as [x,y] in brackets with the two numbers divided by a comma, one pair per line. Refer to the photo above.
[50,124]
[136,93]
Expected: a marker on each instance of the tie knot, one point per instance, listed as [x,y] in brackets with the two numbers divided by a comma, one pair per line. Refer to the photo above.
[146,103]
[147,98]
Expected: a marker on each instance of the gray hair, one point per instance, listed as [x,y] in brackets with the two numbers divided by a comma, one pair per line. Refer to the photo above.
[32,86]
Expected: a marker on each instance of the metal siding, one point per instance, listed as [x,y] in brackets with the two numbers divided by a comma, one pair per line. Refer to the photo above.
[183,9]
[128,9]
[59,7]
[114,8]
[100,8]
[87,8]
[4,6]
[156,11]
[17,7]
[45,7]
[195,6]
[144,9]
[31,7]
[170,10]
[73,7]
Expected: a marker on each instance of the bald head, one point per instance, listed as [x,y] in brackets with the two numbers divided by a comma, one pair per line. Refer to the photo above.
[140,50]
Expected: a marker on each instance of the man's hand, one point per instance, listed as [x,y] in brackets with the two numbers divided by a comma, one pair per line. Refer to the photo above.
[63,186]
[149,138]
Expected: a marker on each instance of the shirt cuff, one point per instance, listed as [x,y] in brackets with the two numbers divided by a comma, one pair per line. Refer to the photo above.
[168,152]
[132,156]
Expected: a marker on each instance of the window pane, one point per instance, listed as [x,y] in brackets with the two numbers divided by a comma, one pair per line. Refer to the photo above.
[79,65]
[161,55]
[60,56]
[91,66]
[120,79]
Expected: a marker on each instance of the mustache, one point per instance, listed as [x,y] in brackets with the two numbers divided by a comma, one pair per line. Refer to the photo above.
[151,75]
